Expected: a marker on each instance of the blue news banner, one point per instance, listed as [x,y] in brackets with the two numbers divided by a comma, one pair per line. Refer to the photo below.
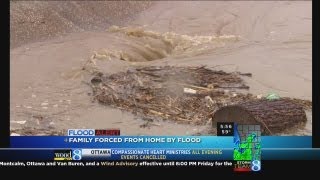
[153,148]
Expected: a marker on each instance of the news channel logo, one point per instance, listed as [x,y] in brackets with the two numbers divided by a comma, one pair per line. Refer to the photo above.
[255,165]
[67,155]
[76,154]
[81,132]
[62,155]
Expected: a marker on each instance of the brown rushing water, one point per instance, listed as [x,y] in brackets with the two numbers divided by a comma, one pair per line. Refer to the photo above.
[51,41]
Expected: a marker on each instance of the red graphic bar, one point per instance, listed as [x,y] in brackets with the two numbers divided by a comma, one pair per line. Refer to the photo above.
[107,132]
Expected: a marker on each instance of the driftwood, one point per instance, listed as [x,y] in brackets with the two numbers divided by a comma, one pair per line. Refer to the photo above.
[168,93]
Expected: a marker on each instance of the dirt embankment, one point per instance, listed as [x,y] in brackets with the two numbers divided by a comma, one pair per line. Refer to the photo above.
[37,20]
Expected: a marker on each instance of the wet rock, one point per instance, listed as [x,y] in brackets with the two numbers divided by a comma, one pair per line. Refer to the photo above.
[96,80]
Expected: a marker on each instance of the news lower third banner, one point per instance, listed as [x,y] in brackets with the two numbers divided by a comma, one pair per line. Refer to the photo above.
[151,148]
[152,142]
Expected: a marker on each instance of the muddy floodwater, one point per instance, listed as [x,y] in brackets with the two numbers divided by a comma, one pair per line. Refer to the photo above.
[52,42]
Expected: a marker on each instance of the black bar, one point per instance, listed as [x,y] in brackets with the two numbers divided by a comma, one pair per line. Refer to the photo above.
[5,83]
[315,91]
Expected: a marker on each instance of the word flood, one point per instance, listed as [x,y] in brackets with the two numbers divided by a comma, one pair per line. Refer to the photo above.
[189,140]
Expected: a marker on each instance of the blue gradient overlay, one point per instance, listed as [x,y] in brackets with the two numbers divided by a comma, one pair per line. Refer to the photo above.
[206,142]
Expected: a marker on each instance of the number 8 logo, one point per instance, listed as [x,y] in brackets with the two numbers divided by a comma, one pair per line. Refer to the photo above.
[256,165]
[76,154]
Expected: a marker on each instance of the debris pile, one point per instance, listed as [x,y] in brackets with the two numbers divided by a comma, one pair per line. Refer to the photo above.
[181,94]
